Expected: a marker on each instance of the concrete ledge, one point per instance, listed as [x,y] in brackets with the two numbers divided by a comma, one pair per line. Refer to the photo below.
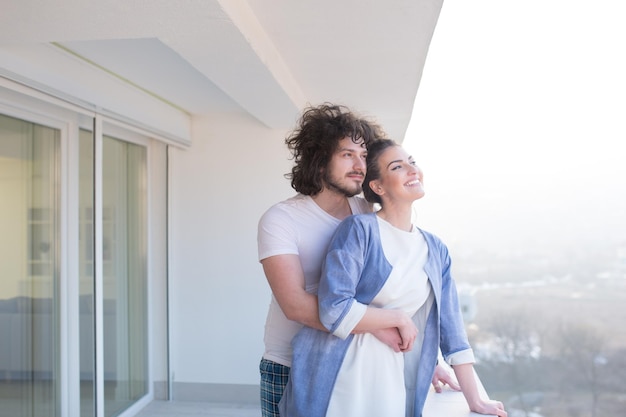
[450,403]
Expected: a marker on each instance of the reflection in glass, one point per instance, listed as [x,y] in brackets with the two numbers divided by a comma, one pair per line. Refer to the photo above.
[124,281]
[29,269]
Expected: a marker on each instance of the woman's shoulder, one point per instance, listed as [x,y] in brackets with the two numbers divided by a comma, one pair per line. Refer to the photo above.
[364,219]
[429,235]
[355,225]
[433,240]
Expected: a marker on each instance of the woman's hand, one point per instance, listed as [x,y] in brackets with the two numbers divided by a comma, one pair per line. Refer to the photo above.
[469,385]
[408,332]
[491,407]
[442,377]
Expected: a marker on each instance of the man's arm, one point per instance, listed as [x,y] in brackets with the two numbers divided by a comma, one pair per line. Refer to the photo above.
[286,278]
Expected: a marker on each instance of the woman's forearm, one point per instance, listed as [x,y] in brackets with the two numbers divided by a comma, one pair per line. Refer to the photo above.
[380,318]
[467,381]
[377,319]
[469,385]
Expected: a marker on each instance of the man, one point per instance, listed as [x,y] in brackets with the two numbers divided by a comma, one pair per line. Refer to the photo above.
[329,147]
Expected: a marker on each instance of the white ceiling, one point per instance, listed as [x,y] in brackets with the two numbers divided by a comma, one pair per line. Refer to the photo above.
[269,58]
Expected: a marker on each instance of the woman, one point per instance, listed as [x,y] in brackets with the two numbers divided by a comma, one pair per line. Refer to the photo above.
[381,271]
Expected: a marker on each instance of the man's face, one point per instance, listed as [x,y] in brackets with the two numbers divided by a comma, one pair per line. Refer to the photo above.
[346,170]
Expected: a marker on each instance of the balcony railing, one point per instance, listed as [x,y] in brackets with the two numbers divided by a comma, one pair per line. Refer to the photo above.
[449,403]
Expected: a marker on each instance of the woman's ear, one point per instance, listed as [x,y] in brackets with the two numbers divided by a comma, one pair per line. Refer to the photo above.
[376,187]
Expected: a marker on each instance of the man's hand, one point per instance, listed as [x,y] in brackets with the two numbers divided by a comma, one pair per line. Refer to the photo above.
[443,377]
[390,337]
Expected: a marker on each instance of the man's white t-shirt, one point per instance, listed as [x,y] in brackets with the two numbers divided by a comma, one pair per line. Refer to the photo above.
[296,226]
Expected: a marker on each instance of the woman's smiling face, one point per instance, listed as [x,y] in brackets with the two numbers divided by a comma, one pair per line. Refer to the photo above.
[400,177]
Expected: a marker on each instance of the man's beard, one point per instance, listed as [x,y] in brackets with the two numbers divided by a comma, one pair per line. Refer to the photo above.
[336,186]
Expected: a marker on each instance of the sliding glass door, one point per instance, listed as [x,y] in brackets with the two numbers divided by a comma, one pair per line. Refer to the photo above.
[65,192]
[124,265]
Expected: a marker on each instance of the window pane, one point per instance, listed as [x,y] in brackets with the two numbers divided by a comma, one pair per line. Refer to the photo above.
[29,269]
[124,280]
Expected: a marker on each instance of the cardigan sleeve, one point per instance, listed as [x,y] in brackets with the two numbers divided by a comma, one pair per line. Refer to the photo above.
[455,346]
[339,311]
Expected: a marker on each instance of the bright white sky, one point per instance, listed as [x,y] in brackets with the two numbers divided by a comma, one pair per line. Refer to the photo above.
[520,122]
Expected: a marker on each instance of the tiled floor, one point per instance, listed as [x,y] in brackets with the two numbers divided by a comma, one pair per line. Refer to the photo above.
[198,409]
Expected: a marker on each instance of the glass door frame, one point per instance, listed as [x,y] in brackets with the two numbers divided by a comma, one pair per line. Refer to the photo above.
[105,126]
[66,122]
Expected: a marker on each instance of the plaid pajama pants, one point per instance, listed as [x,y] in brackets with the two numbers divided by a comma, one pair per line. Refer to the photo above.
[274,378]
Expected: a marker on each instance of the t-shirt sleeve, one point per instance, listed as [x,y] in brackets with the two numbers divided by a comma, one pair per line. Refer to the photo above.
[276,235]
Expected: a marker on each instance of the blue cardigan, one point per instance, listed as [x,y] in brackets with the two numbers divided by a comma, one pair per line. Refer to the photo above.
[355,270]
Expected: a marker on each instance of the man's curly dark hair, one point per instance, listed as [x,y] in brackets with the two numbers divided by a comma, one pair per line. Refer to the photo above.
[316,138]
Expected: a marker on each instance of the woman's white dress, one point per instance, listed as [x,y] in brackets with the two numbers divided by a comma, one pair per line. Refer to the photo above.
[370,382]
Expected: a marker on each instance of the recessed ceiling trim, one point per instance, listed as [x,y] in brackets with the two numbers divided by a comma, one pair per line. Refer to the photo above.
[118,76]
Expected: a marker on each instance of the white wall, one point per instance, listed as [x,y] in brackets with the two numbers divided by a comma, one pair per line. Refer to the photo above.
[218,294]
